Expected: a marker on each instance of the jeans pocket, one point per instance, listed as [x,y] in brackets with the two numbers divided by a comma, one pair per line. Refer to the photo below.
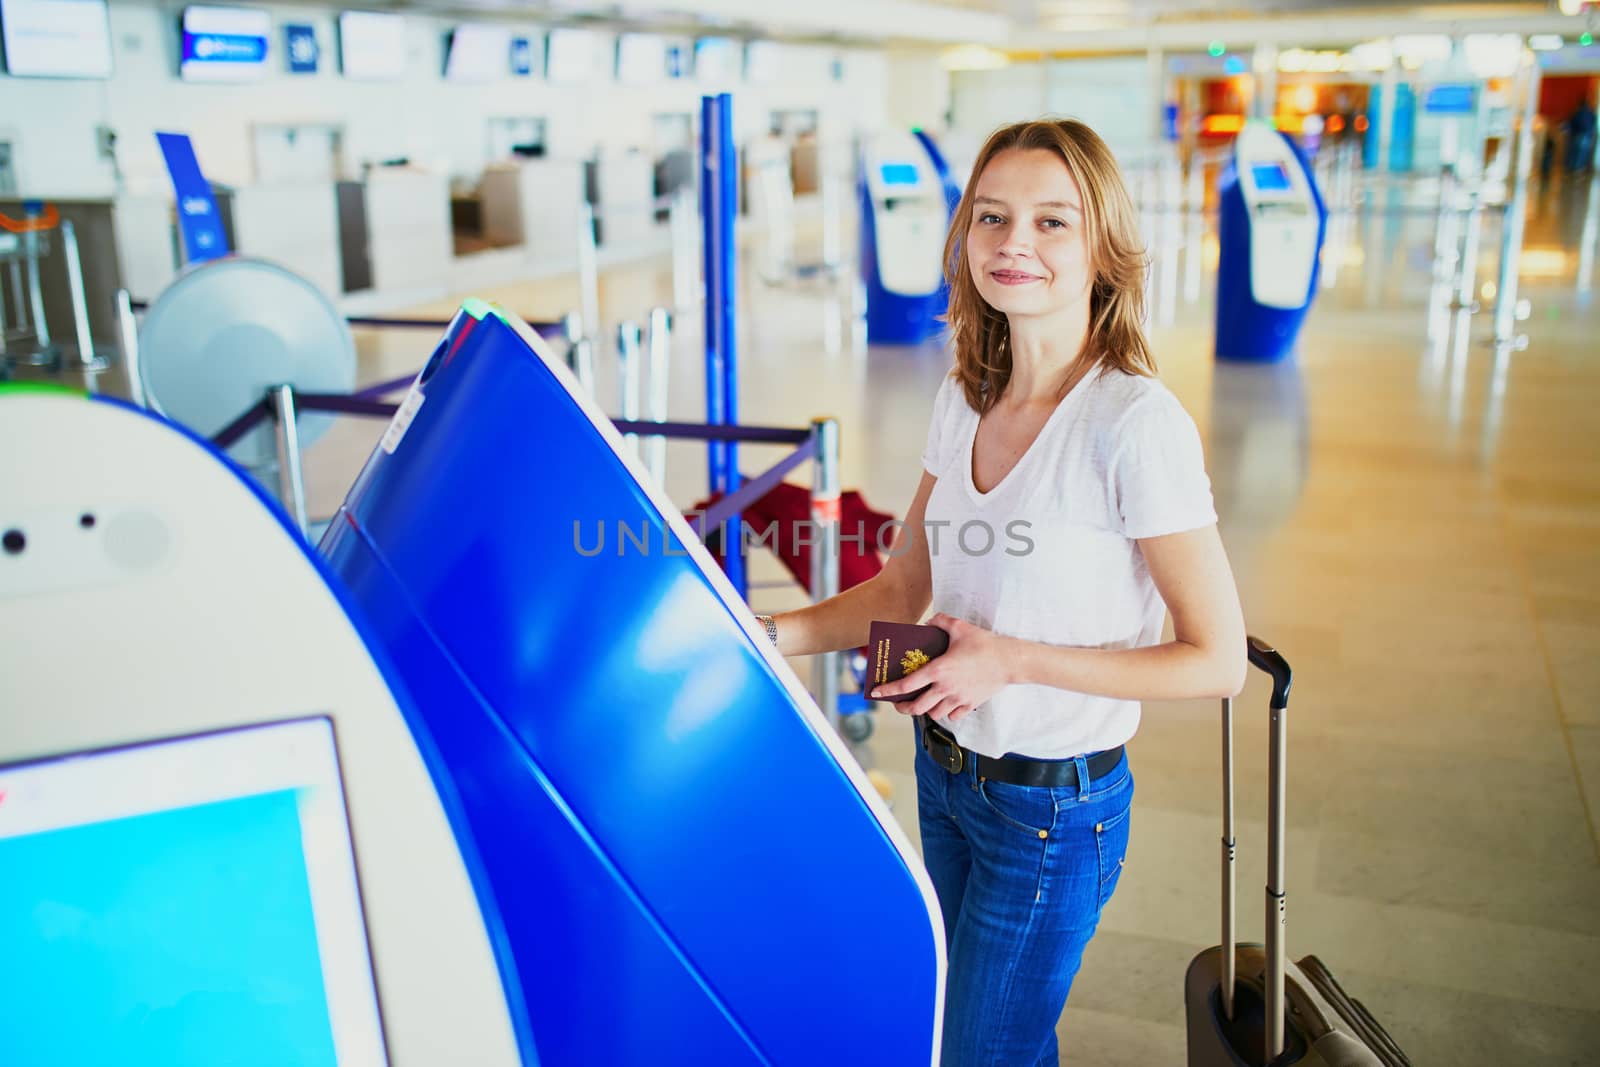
[1027,807]
[1111,844]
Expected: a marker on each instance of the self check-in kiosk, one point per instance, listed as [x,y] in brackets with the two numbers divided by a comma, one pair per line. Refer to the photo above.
[905,214]
[688,866]
[1272,222]
[508,776]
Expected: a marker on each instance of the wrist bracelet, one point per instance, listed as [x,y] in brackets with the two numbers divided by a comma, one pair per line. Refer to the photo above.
[771,627]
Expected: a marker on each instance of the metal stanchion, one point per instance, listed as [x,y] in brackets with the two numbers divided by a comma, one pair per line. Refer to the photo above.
[580,360]
[628,340]
[1505,312]
[41,328]
[80,305]
[1467,281]
[1446,252]
[291,485]
[685,241]
[128,341]
[825,553]
[572,327]
[1195,231]
[588,270]
[659,345]
[833,201]
[1171,234]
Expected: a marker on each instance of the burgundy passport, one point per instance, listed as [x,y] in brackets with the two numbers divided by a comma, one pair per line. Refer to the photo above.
[896,649]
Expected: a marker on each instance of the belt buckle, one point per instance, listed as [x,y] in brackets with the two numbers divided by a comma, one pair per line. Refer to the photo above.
[953,757]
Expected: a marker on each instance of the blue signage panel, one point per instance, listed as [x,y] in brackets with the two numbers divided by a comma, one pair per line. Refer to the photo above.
[301,43]
[1451,100]
[198,219]
[521,57]
[677,61]
[223,43]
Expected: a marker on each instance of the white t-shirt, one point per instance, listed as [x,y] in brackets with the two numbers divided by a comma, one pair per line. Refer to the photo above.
[1118,459]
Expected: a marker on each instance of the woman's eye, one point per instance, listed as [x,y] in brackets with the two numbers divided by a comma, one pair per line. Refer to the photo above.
[989,220]
[1052,224]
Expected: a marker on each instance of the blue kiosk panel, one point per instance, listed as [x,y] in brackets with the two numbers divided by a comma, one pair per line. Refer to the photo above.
[685,870]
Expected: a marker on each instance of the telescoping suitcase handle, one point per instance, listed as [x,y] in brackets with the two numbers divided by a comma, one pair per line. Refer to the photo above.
[1268,659]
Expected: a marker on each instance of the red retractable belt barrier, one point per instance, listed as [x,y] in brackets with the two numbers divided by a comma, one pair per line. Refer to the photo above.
[786,509]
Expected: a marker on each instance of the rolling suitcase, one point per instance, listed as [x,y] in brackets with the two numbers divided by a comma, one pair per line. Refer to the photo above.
[1247,1006]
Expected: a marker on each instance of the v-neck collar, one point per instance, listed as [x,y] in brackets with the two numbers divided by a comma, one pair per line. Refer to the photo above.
[1073,397]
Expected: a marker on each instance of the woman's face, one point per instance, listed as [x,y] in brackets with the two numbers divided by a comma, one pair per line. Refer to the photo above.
[1027,246]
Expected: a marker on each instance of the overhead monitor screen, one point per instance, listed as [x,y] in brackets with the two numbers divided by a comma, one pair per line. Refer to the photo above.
[761,60]
[641,58]
[1270,177]
[56,38]
[478,53]
[716,59]
[372,45]
[570,56]
[898,173]
[186,903]
[224,44]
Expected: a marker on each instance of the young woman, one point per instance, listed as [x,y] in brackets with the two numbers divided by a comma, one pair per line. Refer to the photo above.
[1064,508]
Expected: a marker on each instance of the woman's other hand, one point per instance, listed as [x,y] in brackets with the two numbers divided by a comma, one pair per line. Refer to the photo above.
[974,668]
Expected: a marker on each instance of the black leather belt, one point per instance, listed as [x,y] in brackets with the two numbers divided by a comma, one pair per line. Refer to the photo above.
[940,745]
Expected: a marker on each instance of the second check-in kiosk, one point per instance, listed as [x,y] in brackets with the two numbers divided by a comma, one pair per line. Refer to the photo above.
[1272,221]
[904,216]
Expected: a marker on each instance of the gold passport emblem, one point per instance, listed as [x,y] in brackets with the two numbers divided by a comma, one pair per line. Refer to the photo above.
[913,660]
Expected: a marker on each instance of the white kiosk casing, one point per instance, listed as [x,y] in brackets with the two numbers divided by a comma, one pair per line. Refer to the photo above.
[909,215]
[1283,218]
[161,624]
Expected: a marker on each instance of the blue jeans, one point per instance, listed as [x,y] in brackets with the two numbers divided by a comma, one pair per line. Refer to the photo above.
[1022,873]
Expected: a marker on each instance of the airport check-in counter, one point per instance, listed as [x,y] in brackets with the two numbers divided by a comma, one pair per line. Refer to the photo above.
[295,225]
[534,202]
[407,240]
[621,187]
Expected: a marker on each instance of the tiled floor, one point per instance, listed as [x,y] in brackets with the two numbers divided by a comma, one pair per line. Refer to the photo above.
[1424,547]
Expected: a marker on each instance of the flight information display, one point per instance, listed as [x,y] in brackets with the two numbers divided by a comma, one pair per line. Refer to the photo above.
[56,38]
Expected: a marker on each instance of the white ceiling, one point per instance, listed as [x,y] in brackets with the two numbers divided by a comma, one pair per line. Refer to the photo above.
[1041,25]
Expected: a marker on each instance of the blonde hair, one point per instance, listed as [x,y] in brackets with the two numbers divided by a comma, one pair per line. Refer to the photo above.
[1116,256]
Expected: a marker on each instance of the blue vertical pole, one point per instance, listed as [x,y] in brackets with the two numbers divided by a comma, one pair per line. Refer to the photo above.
[718,208]
[730,330]
[710,193]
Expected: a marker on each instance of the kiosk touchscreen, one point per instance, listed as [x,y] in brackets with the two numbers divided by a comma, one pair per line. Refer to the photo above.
[220,841]
[185,902]
[1271,224]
